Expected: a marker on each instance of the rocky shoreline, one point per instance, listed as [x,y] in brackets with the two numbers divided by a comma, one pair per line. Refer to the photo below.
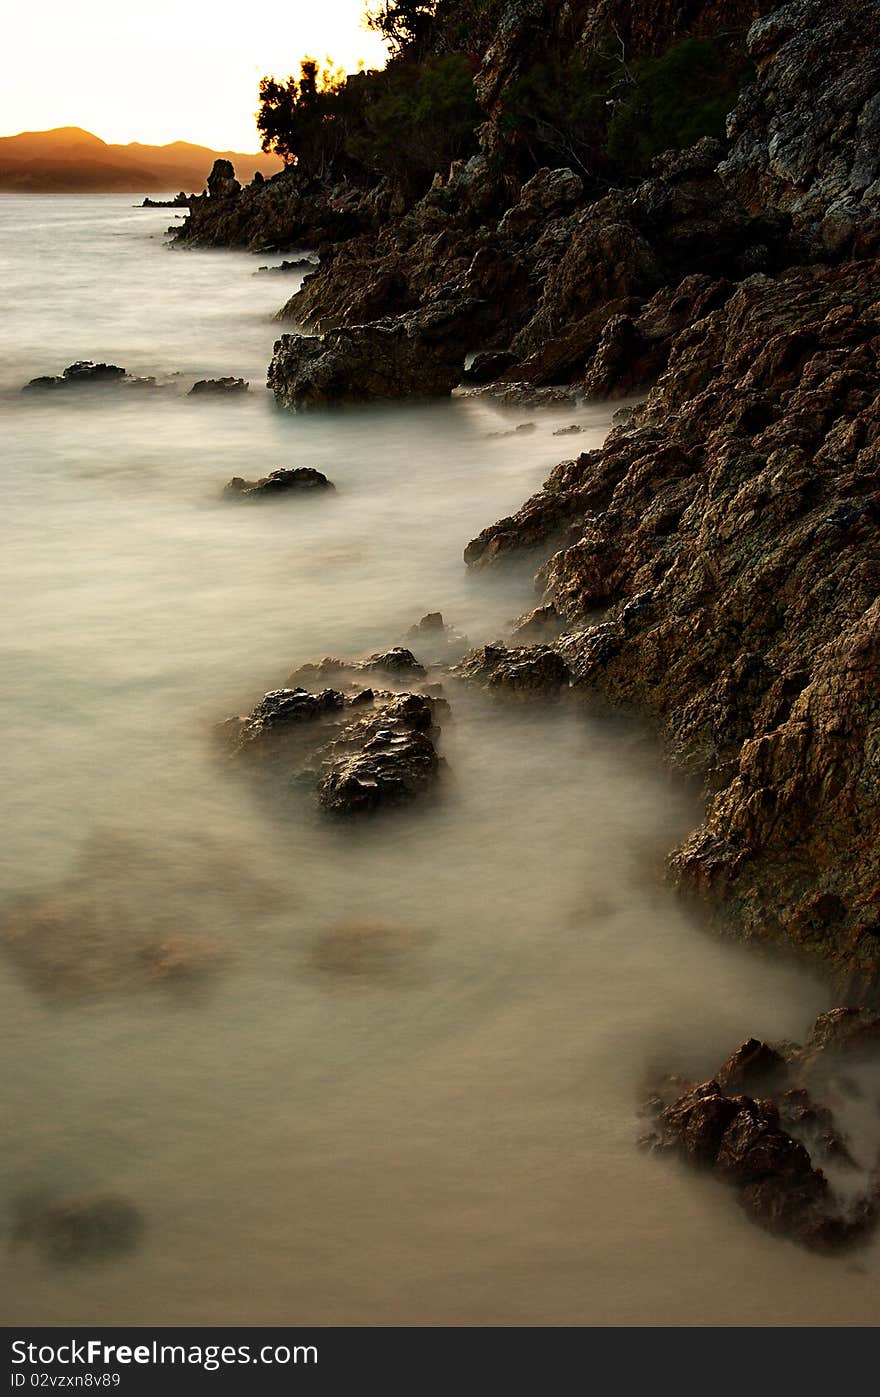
[716,564]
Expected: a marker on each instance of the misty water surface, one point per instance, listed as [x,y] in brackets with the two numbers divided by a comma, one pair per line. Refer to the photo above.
[396,1079]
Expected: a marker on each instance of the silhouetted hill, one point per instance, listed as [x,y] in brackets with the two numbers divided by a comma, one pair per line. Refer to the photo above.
[69,160]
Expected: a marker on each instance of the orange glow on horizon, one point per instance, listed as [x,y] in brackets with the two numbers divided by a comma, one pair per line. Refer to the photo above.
[160,72]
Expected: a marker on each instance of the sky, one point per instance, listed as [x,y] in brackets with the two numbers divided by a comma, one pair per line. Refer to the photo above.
[163,70]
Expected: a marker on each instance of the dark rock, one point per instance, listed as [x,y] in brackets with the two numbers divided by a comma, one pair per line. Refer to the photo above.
[761,1144]
[420,354]
[522,673]
[82,373]
[299,480]
[222,183]
[387,758]
[209,387]
[485,368]
[356,752]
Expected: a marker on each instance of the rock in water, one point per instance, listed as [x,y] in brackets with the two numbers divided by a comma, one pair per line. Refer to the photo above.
[758,1143]
[83,373]
[420,354]
[209,386]
[386,758]
[301,480]
[357,752]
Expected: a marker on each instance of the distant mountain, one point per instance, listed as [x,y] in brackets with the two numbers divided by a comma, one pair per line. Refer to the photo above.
[69,160]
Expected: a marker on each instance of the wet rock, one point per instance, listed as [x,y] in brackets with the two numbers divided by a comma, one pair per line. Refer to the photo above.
[737,498]
[355,752]
[299,480]
[759,1146]
[211,387]
[572,431]
[84,373]
[296,264]
[79,1230]
[385,758]
[525,672]
[420,354]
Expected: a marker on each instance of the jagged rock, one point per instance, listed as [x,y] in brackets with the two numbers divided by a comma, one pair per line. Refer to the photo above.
[485,368]
[547,194]
[284,481]
[436,641]
[297,264]
[806,133]
[210,387]
[542,519]
[222,183]
[759,1144]
[386,758]
[541,624]
[355,752]
[523,672]
[738,507]
[415,355]
[82,373]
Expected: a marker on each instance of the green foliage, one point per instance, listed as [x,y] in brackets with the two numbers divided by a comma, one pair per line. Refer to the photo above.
[420,119]
[300,120]
[558,108]
[674,100]
[405,25]
[608,118]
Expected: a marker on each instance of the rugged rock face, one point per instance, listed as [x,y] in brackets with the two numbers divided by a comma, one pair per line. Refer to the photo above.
[764,1146]
[222,183]
[729,535]
[416,355]
[806,134]
[356,752]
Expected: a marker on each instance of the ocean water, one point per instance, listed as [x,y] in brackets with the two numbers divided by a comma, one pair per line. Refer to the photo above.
[373,1075]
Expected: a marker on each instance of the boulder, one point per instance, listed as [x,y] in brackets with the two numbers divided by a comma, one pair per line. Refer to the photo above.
[300,480]
[420,354]
[84,373]
[222,183]
[214,387]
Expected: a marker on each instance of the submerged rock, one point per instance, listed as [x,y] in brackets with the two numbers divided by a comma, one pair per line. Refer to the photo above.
[207,387]
[298,480]
[79,1230]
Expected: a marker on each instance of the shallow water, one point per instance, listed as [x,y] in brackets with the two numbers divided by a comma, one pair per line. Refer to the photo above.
[400,1084]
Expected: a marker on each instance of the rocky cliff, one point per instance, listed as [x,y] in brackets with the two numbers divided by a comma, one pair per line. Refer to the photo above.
[717,564]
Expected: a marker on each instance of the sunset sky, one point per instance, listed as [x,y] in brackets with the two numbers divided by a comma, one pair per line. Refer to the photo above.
[164,70]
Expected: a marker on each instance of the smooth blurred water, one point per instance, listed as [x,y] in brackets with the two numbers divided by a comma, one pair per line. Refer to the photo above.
[404,1089]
